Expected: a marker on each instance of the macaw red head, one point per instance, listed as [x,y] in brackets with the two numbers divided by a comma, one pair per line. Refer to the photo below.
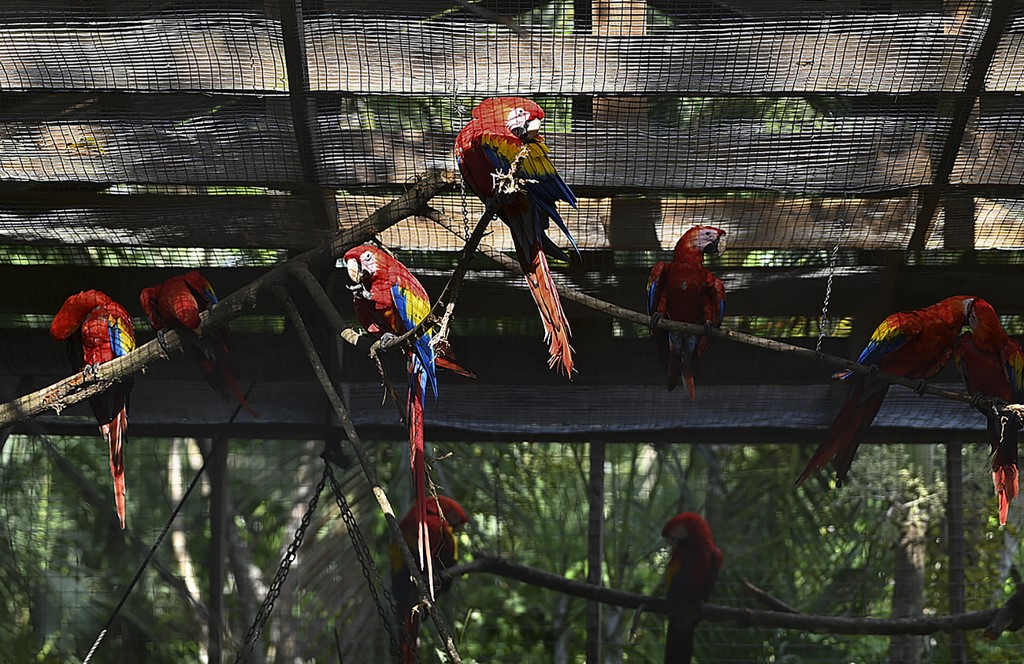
[450,510]
[984,322]
[149,298]
[362,263]
[74,312]
[707,240]
[520,117]
[685,526]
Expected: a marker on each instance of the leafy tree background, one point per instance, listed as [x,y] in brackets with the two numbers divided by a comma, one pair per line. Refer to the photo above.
[822,551]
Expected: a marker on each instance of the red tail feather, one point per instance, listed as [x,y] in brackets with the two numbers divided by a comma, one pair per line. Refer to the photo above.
[845,434]
[410,635]
[556,326]
[113,434]
[419,476]
[449,364]
[232,385]
[1004,479]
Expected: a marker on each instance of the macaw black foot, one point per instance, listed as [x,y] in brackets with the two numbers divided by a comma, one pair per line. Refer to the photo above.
[160,334]
[655,317]
[920,388]
[708,327]
[387,340]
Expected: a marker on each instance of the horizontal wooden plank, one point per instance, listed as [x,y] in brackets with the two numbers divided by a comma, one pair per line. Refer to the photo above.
[752,221]
[241,51]
[148,220]
[851,53]
[225,140]
[993,143]
[775,292]
[733,414]
[857,154]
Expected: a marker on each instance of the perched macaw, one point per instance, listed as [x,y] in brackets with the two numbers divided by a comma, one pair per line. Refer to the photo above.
[486,147]
[178,301]
[690,577]
[445,517]
[992,365]
[912,344]
[97,330]
[686,291]
[388,299]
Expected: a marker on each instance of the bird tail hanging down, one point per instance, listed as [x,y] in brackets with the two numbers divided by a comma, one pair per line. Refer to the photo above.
[1004,462]
[844,436]
[410,637]
[113,434]
[448,363]
[417,463]
[556,325]
[679,359]
[679,639]
[218,367]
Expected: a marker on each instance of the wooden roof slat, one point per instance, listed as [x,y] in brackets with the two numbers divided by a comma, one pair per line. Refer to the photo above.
[152,220]
[240,51]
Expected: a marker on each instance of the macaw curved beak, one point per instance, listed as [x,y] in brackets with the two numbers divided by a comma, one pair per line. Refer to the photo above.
[528,131]
[355,270]
[968,307]
[715,248]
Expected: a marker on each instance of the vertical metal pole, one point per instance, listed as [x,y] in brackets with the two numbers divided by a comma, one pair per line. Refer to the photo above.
[217,474]
[955,524]
[595,547]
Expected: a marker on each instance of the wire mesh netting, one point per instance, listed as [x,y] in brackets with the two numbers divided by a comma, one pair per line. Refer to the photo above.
[860,157]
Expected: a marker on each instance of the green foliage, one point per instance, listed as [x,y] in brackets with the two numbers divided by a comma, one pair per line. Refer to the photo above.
[821,550]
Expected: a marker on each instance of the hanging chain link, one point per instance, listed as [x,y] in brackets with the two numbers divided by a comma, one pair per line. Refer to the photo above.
[461,110]
[373,578]
[823,324]
[282,573]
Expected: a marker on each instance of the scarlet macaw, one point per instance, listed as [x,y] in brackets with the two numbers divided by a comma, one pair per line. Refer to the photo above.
[97,330]
[178,301]
[912,344]
[690,577]
[444,518]
[388,299]
[685,291]
[992,365]
[487,146]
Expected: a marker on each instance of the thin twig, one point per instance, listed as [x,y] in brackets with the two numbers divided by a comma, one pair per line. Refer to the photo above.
[772,602]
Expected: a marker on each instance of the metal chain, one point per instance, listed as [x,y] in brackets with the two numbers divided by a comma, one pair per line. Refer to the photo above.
[460,109]
[823,324]
[373,577]
[282,573]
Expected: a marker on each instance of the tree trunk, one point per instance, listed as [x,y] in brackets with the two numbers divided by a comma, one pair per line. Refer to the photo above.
[595,547]
[908,591]
[908,575]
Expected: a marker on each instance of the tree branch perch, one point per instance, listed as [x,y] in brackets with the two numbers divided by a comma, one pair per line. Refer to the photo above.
[490,564]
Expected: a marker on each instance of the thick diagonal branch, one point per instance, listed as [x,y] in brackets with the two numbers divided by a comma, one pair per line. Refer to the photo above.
[367,466]
[82,385]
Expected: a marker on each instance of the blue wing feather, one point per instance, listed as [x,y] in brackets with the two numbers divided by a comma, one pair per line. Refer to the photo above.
[423,351]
